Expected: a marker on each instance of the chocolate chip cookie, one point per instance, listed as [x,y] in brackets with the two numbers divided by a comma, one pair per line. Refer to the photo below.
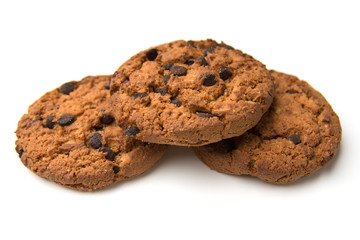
[190,93]
[69,136]
[297,136]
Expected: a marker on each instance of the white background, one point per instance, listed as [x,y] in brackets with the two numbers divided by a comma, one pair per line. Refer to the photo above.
[46,43]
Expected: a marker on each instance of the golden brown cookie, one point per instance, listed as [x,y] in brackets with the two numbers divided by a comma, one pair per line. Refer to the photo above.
[297,136]
[69,136]
[190,93]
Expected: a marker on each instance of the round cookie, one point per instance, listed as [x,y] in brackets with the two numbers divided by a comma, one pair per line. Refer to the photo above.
[190,93]
[297,136]
[69,136]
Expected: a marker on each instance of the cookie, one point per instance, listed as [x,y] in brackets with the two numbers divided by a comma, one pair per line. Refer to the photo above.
[69,136]
[190,93]
[297,136]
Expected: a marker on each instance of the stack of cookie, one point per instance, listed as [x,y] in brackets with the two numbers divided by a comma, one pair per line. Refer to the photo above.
[239,117]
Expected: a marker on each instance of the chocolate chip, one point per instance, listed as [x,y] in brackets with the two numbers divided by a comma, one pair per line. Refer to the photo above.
[176,102]
[168,66]
[229,47]
[116,169]
[202,61]
[178,70]
[225,46]
[161,91]
[20,152]
[67,88]
[208,50]
[95,140]
[166,78]
[209,79]
[110,153]
[49,122]
[33,121]
[66,119]
[107,119]
[190,61]
[228,145]
[291,91]
[152,54]
[191,43]
[107,85]
[295,139]
[140,95]
[131,131]
[204,114]
[225,73]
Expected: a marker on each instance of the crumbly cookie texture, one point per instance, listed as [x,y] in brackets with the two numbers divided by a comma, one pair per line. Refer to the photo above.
[190,93]
[297,136]
[69,136]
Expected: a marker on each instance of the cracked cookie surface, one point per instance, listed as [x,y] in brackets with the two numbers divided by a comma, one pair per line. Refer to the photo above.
[69,136]
[297,136]
[190,93]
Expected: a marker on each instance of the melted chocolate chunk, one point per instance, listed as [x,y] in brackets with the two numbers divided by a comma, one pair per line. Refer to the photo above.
[95,140]
[140,95]
[229,47]
[208,50]
[166,78]
[67,88]
[178,70]
[225,73]
[110,153]
[107,119]
[204,114]
[202,61]
[190,61]
[176,102]
[152,54]
[107,85]
[116,169]
[191,43]
[295,139]
[161,91]
[168,66]
[208,79]
[33,121]
[225,46]
[49,122]
[20,152]
[291,91]
[66,119]
[131,131]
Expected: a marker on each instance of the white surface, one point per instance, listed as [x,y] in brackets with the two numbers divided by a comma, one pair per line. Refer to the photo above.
[46,43]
